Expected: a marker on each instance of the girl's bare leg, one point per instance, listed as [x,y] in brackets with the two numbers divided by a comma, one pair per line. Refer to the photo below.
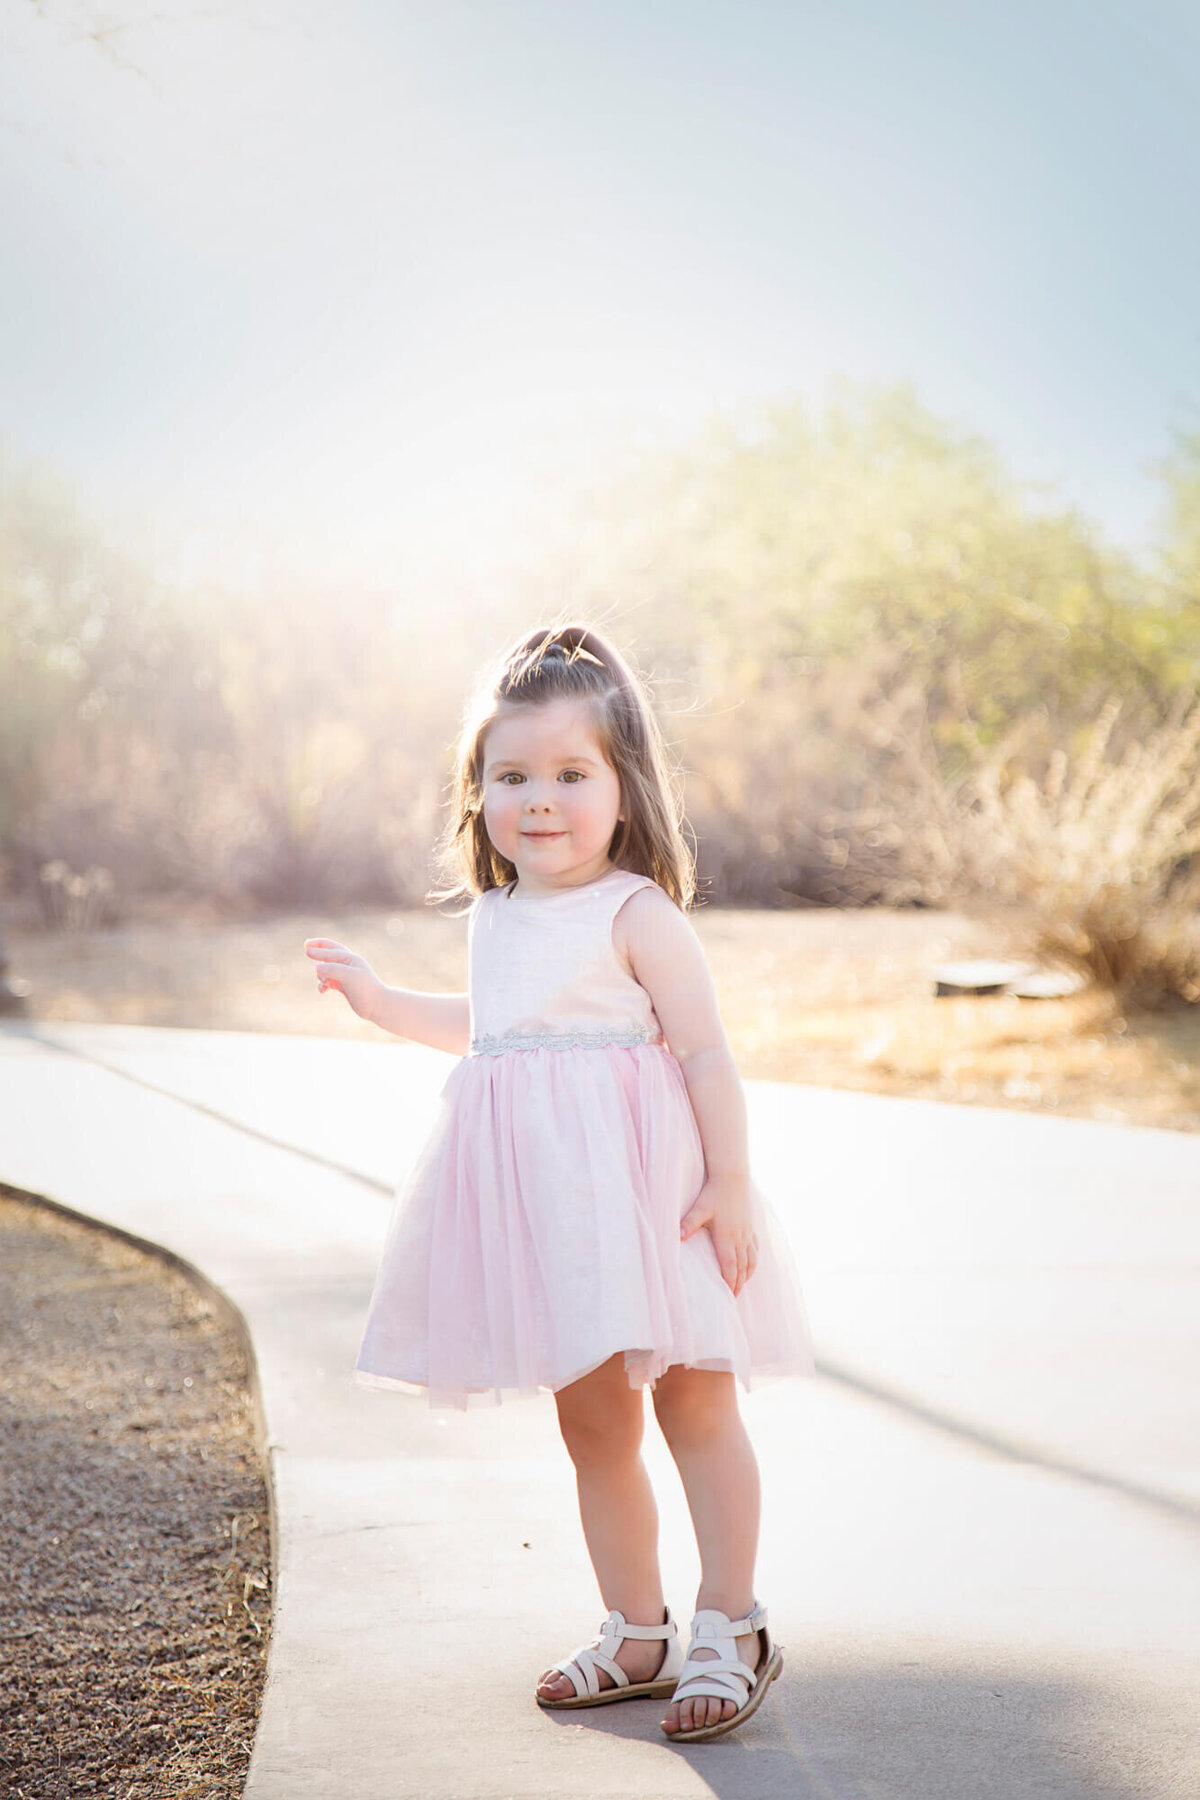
[698,1412]
[601,1419]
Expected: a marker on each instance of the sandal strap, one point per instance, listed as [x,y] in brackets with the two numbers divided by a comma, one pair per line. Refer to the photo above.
[723,1676]
[582,1664]
[668,1630]
[709,1623]
[698,1689]
[616,1626]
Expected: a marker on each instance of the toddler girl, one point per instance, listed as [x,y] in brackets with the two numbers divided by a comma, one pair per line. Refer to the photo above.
[582,1218]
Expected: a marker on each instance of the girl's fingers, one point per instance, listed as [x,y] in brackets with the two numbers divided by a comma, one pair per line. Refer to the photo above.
[729,1268]
[738,1262]
[692,1221]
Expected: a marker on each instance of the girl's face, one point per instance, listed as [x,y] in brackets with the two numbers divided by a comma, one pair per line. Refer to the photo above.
[550,801]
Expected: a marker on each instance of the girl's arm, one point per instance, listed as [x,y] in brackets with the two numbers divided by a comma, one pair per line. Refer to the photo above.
[443,1021]
[667,958]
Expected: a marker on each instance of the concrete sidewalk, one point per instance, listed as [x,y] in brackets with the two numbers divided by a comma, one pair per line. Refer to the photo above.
[981,1523]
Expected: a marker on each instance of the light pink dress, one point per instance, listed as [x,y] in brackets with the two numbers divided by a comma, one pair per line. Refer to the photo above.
[538,1233]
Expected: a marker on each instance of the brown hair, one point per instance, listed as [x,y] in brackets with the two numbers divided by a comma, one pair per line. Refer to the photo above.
[572,662]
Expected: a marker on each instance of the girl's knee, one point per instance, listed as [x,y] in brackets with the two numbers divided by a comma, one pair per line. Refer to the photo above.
[601,1417]
[694,1405]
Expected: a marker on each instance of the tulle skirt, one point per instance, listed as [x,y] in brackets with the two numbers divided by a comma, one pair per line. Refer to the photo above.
[537,1235]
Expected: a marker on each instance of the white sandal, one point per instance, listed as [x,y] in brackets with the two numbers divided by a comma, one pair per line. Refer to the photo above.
[724,1676]
[582,1665]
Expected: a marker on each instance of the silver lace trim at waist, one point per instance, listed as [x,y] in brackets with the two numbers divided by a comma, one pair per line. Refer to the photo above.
[546,1040]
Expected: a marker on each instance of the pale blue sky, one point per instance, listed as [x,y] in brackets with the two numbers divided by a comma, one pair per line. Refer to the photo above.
[350,276]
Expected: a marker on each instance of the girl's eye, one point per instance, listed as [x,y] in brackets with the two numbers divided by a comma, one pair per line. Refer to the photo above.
[504,779]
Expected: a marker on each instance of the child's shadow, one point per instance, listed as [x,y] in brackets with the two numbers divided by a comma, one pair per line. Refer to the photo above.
[896,1732]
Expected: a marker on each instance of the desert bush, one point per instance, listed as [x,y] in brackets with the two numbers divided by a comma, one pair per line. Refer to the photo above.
[77,902]
[787,770]
[1092,837]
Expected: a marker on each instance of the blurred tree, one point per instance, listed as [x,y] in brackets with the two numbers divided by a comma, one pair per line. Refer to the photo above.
[810,578]
[90,656]
[1181,553]
[798,539]
[276,751]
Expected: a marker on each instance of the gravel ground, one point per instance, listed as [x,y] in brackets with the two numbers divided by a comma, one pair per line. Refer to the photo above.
[134,1524]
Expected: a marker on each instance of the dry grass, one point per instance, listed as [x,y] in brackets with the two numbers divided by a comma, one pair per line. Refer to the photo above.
[1102,847]
[830,997]
[1094,835]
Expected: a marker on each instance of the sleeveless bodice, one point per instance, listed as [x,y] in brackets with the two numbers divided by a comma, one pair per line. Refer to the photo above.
[543,970]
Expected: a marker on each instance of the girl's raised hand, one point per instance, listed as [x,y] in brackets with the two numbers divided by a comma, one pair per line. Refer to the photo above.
[351,974]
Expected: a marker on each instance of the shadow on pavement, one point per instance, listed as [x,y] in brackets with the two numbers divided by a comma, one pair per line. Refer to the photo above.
[899,1734]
